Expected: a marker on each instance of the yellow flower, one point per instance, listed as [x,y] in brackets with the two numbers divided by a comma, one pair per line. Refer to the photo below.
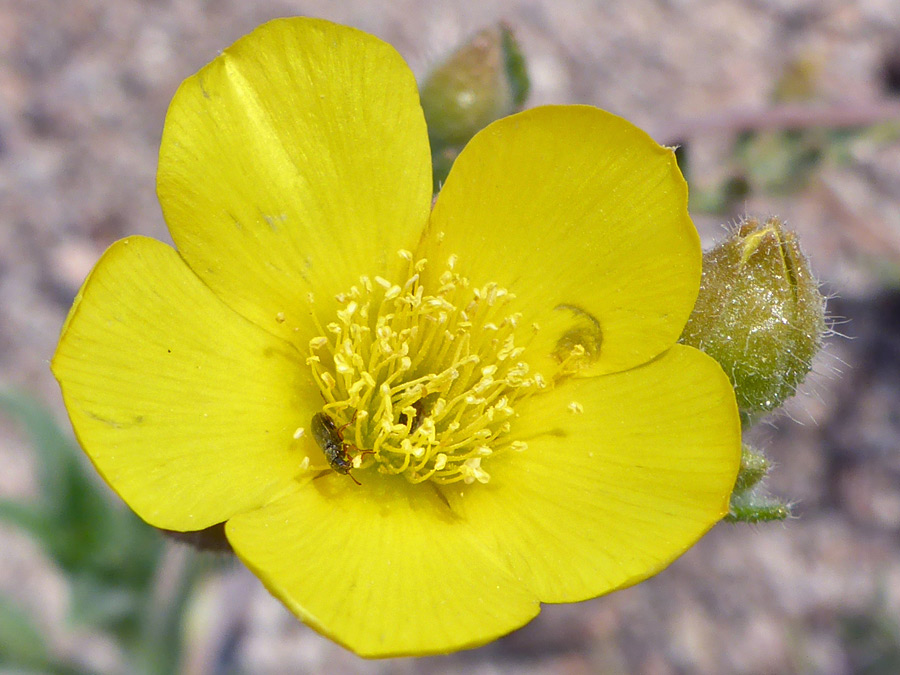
[522,424]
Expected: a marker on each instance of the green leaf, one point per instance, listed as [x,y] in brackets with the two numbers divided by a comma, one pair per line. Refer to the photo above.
[21,643]
[53,447]
[108,554]
[69,504]
[108,606]
[27,518]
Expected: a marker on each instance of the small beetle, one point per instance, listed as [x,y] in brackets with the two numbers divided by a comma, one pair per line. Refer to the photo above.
[330,438]
[419,407]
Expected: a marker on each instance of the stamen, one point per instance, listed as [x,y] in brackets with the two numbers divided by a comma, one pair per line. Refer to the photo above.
[432,376]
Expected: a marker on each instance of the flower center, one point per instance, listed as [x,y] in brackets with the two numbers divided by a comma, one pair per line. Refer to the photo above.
[425,379]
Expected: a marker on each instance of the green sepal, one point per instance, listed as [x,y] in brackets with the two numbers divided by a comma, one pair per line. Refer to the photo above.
[754,467]
[749,507]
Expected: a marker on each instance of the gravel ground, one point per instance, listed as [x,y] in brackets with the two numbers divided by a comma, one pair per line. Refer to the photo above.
[83,93]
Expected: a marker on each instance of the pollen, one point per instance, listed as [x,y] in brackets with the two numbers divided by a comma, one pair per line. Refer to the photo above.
[425,372]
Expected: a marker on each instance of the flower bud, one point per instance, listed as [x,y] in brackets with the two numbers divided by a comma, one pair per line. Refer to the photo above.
[759,313]
[483,80]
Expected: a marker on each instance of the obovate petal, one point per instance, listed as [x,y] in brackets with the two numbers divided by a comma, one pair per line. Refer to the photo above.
[584,218]
[384,568]
[293,163]
[187,409]
[622,474]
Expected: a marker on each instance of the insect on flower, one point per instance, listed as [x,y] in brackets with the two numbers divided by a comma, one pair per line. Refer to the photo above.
[330,438]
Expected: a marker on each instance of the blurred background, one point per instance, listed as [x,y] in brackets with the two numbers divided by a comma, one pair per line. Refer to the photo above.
[781,107]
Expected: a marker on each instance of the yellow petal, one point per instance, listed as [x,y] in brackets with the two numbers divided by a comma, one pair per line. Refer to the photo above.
[383,568]
[622,474]
[187,409]
[571,207]
[294,162]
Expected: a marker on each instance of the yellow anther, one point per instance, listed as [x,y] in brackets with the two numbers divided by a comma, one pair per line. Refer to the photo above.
[342,364]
